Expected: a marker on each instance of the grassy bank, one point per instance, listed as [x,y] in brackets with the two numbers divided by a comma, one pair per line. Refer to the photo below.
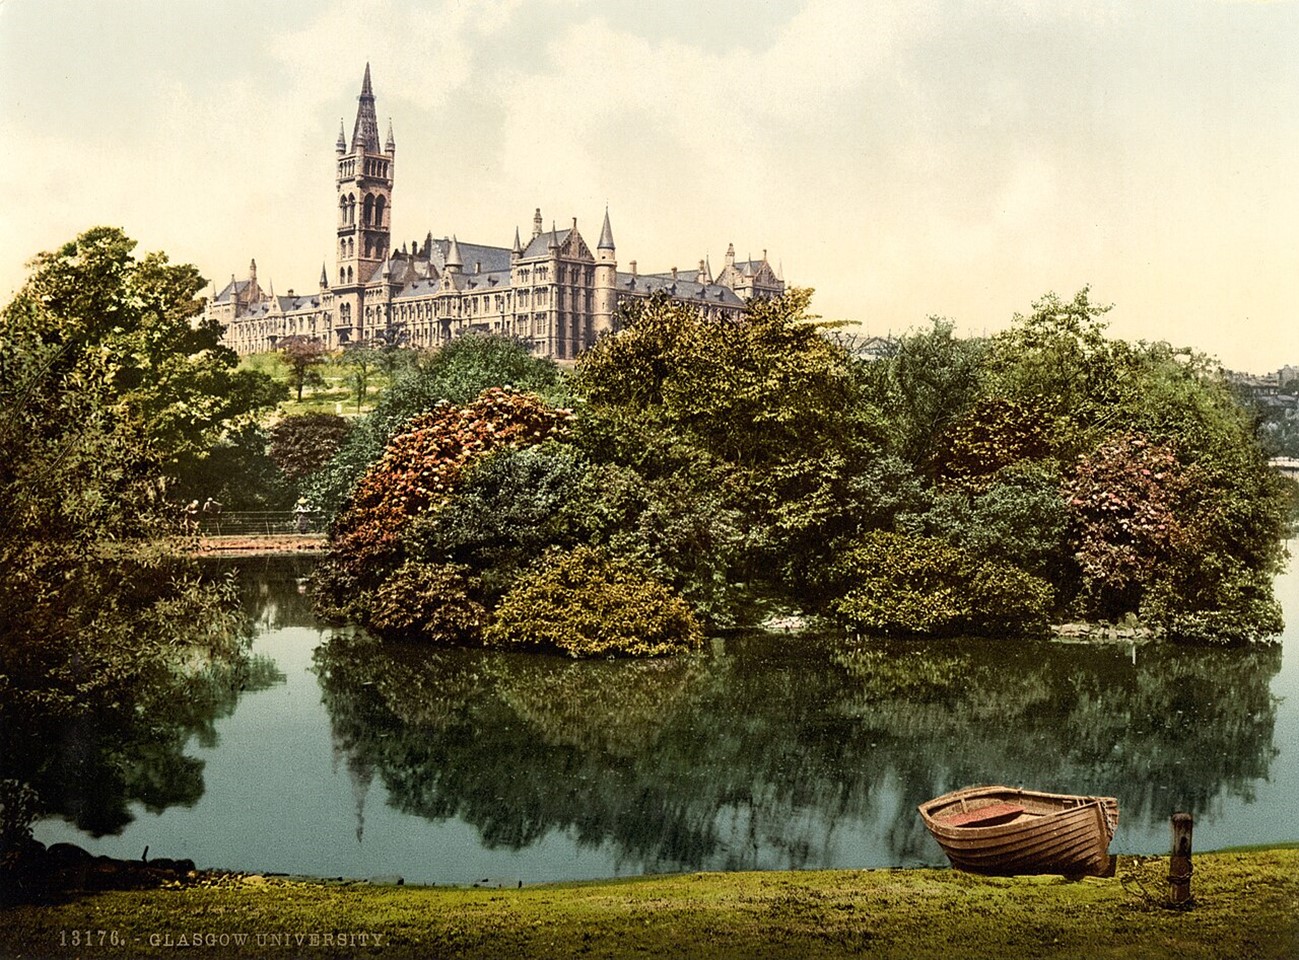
[1245,906]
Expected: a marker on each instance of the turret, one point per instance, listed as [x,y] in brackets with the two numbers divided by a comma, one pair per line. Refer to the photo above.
[606,279]
[455,263]
[536,224]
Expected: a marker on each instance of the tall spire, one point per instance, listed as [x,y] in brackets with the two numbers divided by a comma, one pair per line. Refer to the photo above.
[517,249]
[366,132]
[606,234]
[341,145]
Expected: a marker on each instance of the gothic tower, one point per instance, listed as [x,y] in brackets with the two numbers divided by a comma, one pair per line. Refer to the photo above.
[364,178]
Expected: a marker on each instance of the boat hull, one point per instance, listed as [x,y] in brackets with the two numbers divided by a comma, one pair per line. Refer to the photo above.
[1024,831]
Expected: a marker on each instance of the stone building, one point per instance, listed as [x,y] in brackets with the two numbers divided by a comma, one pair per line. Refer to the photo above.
[553,292]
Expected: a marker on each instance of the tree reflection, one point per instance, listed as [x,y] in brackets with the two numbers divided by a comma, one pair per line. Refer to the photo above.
[759,754]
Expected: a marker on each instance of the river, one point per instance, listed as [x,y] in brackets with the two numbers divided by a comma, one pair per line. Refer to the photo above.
[347,759]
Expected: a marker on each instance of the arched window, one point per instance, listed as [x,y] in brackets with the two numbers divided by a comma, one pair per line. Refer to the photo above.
[367,248]
[342,209]
[349,274]
[342,275]
[367,212]
[351,208]
[378,211]
[342,248]
[351,247]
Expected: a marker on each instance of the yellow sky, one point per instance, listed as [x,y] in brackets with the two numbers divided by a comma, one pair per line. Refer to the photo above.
[905,159]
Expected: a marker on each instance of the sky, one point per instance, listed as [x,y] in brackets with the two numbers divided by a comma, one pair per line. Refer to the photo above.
[954,158]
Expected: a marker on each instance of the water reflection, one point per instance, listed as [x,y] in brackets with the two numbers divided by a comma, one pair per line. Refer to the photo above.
[762,751]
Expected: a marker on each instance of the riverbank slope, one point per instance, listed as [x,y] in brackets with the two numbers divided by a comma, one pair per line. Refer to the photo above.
[1246,904]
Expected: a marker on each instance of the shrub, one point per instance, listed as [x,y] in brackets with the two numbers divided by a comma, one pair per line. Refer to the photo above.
[427,601]
[921,585]
[585,603]
[1124,501]
[302,443]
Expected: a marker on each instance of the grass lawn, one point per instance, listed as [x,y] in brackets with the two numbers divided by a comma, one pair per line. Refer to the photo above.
[1246,906]
[336,395]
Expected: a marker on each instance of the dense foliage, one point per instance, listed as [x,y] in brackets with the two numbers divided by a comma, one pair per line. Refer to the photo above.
[586,603]
[113,400]
[302,443]
[457,373]
[978,486]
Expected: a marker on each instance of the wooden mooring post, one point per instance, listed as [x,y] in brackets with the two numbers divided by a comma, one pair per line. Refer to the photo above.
[1179,866]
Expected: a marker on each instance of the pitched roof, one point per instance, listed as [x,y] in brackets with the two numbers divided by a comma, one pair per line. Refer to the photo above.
[681,288]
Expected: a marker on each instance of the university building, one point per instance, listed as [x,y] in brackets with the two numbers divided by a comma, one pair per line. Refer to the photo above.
[553,291]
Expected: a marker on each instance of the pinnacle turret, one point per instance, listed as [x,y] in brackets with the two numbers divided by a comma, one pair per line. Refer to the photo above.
[341,145]
[391,145]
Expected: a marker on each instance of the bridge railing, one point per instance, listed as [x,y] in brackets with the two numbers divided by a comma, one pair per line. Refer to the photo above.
[237,523]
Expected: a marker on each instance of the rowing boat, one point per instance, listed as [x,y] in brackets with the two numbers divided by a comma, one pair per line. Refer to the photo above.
[1006,830]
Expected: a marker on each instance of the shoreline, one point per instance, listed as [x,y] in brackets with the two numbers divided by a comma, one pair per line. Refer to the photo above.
[1244,904]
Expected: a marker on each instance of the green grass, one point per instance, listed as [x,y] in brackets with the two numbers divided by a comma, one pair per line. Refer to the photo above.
[1245,906]
[335,395]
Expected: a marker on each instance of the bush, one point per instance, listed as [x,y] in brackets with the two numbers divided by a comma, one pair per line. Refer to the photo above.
[429,602]
[585,603]
[921,585]
[302,443]
[455,373]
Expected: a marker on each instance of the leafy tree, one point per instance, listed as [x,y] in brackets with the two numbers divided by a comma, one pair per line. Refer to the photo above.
[110,395]
[766,407]
[927,385]
[102,313]
[418,471]
[303,356]
[428,602]
[509,507]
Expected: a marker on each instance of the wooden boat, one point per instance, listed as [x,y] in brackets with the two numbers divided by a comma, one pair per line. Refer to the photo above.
[1005,830]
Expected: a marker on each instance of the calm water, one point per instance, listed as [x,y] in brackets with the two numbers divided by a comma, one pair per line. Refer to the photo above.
[344,759]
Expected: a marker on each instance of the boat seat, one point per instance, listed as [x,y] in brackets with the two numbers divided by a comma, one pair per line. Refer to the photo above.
[984,816]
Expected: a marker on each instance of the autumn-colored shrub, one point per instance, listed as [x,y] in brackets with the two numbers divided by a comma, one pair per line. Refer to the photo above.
[921,585]
[420,466]
[431,602]
[1124,501]
[585,603]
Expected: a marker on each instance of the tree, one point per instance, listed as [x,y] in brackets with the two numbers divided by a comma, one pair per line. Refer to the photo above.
[110,396]
[420,469]
[303,356]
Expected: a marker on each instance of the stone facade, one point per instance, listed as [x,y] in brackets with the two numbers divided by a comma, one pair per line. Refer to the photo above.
[555,292]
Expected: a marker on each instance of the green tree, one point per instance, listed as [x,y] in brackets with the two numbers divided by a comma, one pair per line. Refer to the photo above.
[109,396]
[303,356]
